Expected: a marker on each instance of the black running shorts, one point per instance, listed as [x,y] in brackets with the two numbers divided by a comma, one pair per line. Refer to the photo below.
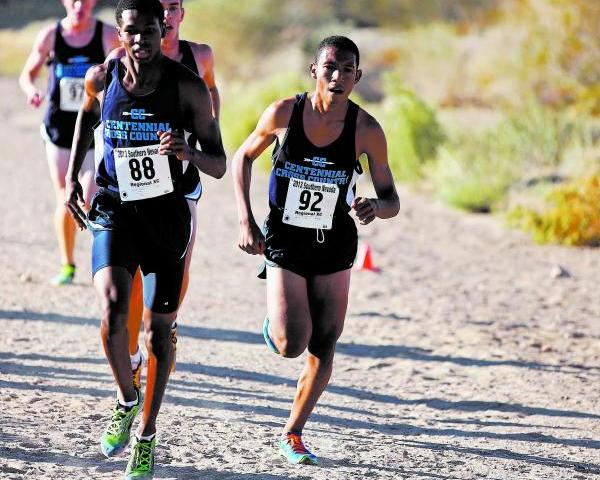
[153,234]
[309,252]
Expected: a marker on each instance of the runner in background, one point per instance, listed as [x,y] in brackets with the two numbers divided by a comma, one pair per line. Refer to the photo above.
[199,58]
[69,48]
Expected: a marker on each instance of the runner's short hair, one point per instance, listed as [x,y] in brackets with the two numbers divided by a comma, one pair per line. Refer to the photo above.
[146,6]
[341,43]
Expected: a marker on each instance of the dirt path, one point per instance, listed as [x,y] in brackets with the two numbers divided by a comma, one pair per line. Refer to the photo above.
[463,358]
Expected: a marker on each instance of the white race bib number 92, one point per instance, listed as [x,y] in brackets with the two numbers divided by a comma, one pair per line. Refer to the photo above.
[310,204]
[142,173]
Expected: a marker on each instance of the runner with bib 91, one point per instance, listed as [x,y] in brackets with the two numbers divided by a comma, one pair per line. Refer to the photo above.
[310,239]
[140,216]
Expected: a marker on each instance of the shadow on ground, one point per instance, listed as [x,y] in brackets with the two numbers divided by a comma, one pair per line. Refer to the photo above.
[351,349]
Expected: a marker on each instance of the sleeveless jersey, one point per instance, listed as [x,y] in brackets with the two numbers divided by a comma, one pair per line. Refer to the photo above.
[310,186]
[187,56]
[130,163]
[68,67]
[191,185]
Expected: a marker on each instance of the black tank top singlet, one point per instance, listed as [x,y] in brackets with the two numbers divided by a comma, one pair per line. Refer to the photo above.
[68,67]
[310,186]
[187,56]
[130,123]
[191,176]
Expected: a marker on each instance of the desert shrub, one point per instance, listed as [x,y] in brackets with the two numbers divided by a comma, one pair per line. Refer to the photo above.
[244,104]
[544,138]
[517,48]
[473,178]
[581,156]
[428,61]
[240,33]
[572,216]
[478,166]
[412,131]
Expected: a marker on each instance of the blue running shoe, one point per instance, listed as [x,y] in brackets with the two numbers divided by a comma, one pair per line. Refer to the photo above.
[268,340]
[293,449]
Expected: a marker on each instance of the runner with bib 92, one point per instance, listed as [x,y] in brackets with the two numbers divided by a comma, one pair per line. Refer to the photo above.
[310,239]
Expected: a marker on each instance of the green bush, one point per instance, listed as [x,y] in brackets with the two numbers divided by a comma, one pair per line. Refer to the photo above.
[581,156]
[541,135]
[412,131]
[473,178]
[573,217]
[240,33]
[246,103]
[477,167]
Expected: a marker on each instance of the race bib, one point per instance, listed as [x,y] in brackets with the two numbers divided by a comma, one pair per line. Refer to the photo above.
[71,93]
[142,173]
[310,204]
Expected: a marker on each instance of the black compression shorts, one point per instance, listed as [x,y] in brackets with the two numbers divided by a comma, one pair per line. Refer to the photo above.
[153,234]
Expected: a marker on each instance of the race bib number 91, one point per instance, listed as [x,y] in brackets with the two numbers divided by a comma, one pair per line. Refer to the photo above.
[142,173]
[71,93]
[310,204]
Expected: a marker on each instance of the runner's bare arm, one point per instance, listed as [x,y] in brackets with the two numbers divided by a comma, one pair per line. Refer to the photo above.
[275,119]
[371,141]
[88,116]
[205,61]
[196,109]
[42,47]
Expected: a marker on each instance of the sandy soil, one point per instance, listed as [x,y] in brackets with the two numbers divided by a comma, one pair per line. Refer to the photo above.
[463,358]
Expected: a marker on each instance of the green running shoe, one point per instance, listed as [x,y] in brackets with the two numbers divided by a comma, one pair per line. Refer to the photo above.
[141,460]
[293,449]
[270,344]
[116,436]
[65,276]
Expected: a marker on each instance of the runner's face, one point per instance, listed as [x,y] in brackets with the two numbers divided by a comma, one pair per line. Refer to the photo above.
[79,10]
[140,34]
[173,16]
[336,73]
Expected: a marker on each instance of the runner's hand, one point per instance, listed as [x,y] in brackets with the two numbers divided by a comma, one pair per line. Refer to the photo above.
[365,208]
[74,198]
[251,239]
[173,142]
[35,99]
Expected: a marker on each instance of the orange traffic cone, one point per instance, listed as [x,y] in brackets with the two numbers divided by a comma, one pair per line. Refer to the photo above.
[364,260]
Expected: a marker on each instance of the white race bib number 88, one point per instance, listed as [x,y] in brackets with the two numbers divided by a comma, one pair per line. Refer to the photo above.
[142,173]
[71,93]
[310,204]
